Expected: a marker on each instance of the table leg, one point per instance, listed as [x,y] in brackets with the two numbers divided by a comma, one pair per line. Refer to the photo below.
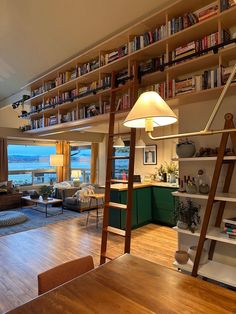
[46,209]
[97,214]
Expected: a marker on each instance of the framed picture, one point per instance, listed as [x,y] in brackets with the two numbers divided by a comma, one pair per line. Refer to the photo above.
[150,155]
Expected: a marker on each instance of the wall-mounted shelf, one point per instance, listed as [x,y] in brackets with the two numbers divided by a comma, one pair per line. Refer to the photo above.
[213,233]
[200,159]
[213,270]
[228,197]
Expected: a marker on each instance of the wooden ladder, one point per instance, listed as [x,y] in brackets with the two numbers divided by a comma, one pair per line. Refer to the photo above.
[110,162]
[229,124]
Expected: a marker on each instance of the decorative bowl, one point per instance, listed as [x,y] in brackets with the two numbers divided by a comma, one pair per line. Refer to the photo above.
[181,257]
[185,150]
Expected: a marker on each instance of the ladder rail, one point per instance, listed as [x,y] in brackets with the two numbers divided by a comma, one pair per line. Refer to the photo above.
[211,197]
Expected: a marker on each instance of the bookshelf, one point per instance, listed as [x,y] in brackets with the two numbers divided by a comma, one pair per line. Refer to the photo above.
[94,66]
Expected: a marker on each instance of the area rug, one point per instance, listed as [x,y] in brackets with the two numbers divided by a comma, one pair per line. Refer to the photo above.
[37,219]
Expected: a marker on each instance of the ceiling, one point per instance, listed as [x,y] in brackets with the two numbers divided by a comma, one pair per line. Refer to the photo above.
[36,36]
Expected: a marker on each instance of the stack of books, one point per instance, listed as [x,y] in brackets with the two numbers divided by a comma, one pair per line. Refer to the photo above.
[87,67]
[183,86]
[207,11]
[152,65]
[122,76]
[52,101]
[226,4]
[106,81]
[114,55]
[88,88]
[230,227]
[36,108]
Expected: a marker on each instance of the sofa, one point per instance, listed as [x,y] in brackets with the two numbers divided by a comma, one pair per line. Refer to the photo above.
[72,202]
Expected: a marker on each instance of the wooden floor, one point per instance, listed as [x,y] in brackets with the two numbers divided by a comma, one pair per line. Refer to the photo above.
[24,255]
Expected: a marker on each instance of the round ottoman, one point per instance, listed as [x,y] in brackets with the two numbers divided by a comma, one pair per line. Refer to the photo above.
[10,218]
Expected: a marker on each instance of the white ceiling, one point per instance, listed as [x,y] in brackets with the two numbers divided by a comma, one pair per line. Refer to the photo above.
[37,35]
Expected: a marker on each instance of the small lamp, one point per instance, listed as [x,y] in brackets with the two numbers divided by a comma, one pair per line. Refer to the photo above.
[75,175]
[118,142]
[140,143]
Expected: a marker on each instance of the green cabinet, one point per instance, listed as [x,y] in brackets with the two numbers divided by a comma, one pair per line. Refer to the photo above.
[149,204]
[141,209]
[163,205]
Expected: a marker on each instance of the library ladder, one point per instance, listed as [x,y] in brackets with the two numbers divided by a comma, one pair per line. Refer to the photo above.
[229,124]
[126,233]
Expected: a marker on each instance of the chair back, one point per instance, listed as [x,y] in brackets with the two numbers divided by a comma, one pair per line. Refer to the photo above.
[58,275]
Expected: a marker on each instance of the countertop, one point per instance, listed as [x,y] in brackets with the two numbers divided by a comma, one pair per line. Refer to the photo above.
[124,186]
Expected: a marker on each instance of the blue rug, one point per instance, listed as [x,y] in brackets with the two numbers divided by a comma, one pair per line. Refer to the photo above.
[37,219]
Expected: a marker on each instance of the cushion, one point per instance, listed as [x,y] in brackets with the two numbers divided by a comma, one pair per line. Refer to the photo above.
[10,218]
[71,201]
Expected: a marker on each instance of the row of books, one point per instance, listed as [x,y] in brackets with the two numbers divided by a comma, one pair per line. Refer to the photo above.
[123,102]
[179,23]
[114,55]
[69,116]
[143,40]
[226,4]
[230,227]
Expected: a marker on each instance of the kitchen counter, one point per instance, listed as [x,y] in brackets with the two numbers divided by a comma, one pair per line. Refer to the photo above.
[124,187]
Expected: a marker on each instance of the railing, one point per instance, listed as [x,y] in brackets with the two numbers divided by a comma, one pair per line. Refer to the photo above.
[32,177]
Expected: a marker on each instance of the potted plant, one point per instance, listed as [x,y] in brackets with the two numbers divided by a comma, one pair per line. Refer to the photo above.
[185,149]
[186,215]
[161,171]
[45,191]
[172,171]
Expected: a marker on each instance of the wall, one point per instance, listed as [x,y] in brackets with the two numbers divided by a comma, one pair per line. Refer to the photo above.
[9,118]
[165,150]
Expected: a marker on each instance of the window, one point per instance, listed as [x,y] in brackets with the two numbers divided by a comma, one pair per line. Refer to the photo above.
[121,166]
[80,159]
[30,164]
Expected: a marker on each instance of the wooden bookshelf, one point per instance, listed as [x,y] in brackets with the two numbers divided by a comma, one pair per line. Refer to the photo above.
[225,19]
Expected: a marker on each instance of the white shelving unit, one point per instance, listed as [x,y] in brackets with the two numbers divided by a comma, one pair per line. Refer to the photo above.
[200,159]
[213,270]
[212,234]
[228,197]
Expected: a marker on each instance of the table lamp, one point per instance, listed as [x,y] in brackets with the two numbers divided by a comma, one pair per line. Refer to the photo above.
[75,175]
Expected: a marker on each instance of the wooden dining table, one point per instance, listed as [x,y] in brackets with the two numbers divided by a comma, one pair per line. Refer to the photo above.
[130,284]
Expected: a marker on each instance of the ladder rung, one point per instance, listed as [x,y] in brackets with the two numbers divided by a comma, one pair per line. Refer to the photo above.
[119,181]
[116,231]
[120,157]
[108,257]
[117,205]
[116,134]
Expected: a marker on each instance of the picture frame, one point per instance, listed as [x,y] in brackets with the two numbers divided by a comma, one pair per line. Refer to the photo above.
[150,155]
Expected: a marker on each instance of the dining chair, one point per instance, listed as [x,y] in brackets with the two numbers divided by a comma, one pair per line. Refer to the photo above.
[58,275]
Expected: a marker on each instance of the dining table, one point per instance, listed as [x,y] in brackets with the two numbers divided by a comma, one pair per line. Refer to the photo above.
[132,285]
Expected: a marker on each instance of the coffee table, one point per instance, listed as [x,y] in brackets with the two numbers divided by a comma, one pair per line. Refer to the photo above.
[49,201]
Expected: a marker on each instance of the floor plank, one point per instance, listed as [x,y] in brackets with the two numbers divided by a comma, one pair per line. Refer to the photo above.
[24,255]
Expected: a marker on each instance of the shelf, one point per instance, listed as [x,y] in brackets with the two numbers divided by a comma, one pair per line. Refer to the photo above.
[200,159]
[213,234]
[228,197]
[213,270]
[77,123]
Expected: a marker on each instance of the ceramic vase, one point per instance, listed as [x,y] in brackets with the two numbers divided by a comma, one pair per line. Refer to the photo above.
[192,254]
[185,150]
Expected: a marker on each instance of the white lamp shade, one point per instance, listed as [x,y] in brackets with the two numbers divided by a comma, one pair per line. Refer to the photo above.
[56,160]
[150,105]
[76,174]
[140,143]
[119,142]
